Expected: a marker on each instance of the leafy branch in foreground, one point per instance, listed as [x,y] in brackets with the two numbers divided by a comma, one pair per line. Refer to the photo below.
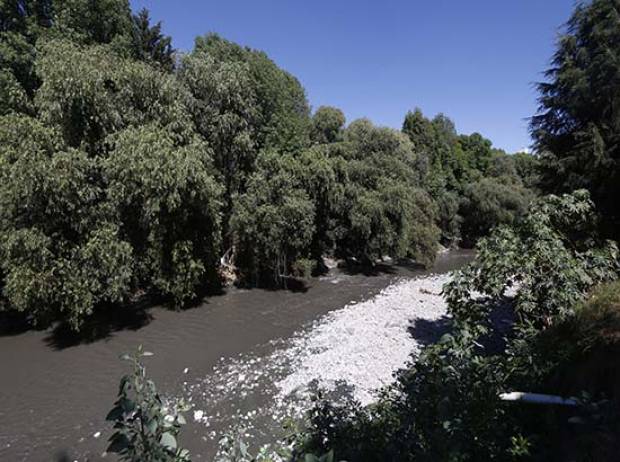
[145,428]
[446,405]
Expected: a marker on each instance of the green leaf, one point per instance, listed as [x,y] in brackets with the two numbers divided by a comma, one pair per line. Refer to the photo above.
[169,441]
[118,443]
[151,426]
[115,414]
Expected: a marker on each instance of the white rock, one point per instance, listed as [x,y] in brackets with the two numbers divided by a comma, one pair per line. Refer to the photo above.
[364,343]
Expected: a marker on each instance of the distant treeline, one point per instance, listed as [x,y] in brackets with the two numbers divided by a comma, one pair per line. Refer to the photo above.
[126,167]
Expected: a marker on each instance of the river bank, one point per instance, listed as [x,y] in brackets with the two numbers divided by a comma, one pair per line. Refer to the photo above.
[55,395]
[354,350]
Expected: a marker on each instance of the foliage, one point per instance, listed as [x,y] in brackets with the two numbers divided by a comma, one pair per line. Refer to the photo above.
[488,203]
[528,169]
[576,128]
[327,125]
[127,171]
[90,93]
[149,44]
[145,428]
[476,187]
[167,201]
[551,255]
[446,405]
[224,109]
[61,250]
[598,317]
[274,219]
[384,210]
[283,112]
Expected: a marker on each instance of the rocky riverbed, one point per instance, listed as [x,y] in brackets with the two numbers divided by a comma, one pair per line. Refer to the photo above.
[355,349]
[246,358]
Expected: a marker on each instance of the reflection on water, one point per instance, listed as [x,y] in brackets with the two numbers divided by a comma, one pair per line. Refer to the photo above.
[55,390]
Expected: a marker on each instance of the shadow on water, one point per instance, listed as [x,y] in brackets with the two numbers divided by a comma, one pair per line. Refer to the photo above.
[101,325]
[369,270]
[62,456]
[13,323]
[110,318]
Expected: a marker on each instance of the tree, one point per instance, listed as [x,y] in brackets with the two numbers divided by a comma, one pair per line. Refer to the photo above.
[274,220]
[577,125]
[327,125]
[168,206]
[283,111]
[528,169]
[61,252]
[23,23]
[149,44]
[488,203]
[91,92]
[477,152]
[384,210]
[225,112]
[92,22]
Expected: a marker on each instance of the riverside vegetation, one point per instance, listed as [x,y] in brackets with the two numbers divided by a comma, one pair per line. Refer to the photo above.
[128,169]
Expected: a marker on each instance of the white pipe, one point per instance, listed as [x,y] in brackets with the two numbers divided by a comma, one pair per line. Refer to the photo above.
[538,398]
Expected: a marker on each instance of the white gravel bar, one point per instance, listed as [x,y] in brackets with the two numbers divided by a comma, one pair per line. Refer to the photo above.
[362,344]
[365,343]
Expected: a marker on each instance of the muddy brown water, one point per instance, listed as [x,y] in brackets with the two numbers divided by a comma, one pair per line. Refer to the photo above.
[54,394]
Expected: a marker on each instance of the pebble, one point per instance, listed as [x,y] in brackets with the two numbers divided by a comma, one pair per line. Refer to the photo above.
[362,344]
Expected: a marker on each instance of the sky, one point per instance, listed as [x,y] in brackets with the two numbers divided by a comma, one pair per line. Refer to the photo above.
[476,61]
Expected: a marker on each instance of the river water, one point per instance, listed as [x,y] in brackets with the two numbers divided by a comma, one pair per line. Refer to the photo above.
[55,390]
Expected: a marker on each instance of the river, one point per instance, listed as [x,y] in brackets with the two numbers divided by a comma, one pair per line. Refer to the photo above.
[55,390]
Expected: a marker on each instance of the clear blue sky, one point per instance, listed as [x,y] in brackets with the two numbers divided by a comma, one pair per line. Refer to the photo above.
[473,60]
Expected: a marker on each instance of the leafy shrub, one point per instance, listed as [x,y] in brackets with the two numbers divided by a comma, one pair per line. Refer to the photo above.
[145,428]
[551,256]
[446,405]
[598,318]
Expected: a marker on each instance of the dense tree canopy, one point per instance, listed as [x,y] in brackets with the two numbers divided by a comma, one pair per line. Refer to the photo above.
[475,186]
[149,44]
[578,124]
[126,170]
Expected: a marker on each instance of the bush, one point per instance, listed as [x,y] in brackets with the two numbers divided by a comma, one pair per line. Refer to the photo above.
[488,203]
[145,428]
[446,405]
[598,318]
